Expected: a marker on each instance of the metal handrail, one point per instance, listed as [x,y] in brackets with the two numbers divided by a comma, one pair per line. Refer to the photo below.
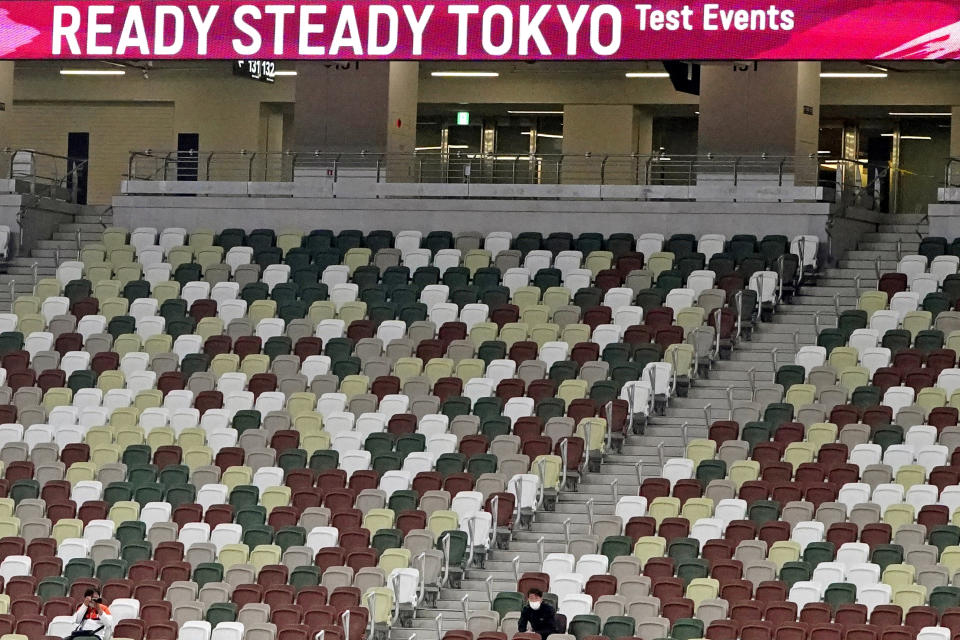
[608,413]
[673,377]
[653,382]
[587,435]
[495,517]
[656,168]
[371,600]
[394,585]
[466,166]
[541,468]
[49,174]
[563,460]
[471,533]
[950,173]
[718,326]
[845,182]
[445,547]
[738,298]
[345,622]
[21,217]
[465,604]
[421,559]
[781,267]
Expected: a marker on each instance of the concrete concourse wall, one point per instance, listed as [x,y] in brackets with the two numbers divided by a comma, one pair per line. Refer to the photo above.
[484,216]
[944,219]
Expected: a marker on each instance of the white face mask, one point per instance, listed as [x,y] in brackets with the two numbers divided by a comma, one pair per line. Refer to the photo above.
[535,605]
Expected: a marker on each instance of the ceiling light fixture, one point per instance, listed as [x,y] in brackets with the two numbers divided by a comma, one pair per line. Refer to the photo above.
[921,114]
[890,135]
[853,74]
[647,74]
[534,113]
[92,72]
[285,73]
[464,74]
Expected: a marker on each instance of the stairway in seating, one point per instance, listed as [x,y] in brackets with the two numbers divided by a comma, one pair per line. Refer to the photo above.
[19,270]
[792,322]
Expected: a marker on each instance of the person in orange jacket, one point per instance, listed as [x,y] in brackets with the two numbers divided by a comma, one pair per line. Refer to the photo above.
[93,618]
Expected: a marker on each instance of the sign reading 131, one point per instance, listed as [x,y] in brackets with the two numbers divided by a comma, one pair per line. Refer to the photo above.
[262,70]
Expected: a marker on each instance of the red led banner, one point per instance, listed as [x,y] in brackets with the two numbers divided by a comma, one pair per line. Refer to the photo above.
[483,30]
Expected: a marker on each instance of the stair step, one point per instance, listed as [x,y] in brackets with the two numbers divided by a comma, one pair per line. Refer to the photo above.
[85,227]
[886,236]
[66,236]
[89,219]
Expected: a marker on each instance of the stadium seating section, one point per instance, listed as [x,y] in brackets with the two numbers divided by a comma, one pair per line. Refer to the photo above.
[260,435]
[825,508]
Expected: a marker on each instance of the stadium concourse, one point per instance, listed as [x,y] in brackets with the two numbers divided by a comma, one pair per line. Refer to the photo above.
[282,434]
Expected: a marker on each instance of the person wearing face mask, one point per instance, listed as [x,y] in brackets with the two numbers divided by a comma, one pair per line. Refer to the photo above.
[539,614]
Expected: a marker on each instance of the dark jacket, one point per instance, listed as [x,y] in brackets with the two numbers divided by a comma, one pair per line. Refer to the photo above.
[541,621]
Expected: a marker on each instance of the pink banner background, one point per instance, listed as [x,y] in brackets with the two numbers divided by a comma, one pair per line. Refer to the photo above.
[822,30]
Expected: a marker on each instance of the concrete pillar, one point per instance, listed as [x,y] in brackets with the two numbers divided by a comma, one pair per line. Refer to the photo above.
[644,121]
[604,130]
[955,132]
[402,104]
[850,172]
[6,99]
[348,107]
[762,107]
[270,142]
[601,129]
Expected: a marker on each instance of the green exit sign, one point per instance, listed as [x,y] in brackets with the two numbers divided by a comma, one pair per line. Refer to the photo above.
[463,117]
